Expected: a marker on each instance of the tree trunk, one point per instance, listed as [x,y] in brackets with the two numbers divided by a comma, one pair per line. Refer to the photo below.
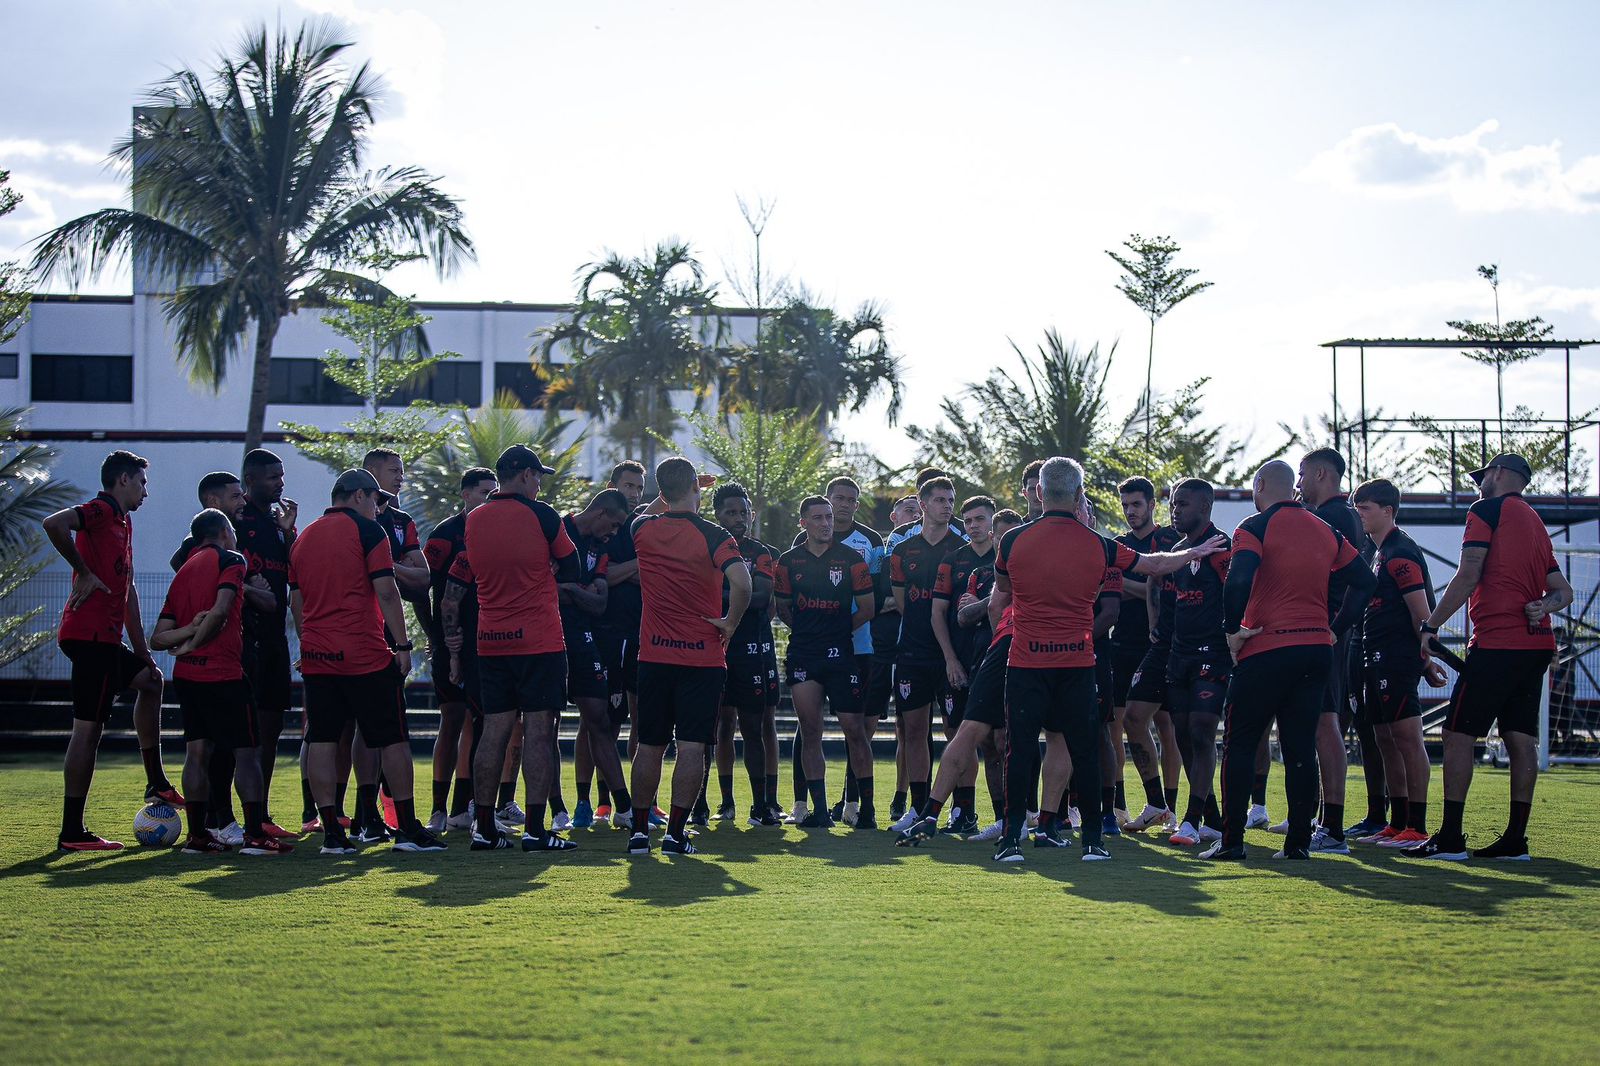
[260,380]
[1149,370]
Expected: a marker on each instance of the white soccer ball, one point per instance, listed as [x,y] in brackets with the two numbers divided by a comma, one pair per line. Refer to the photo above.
[157,825]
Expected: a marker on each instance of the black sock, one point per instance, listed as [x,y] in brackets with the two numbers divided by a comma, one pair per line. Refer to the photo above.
[1417,816]
[772,790]
[486,827]
[967,798]
[196,810]
[339,794]
[584,788]
[932,808]
[1154,795]
[1169,798]
[702,801]
[1108,800]
[624,801]
[1213,812]
[441,794]
[1333,820]
[154,775]
[1376,806]
[1453,812]
[997,795]
[462,797]
[725,783]
[602,797]
[818,788]
[864,791]
[899,800]
[1400,811]
[852,787]
[1258,794]
[1120,797]
[1195,812]
[508,792]
[254,815]
[331,829]
[1517,826]
[308,806]
[72,815]
[799,773]
[367,804]
[533,821]
[405,815]
[758,786]
[919,794]
[676,816]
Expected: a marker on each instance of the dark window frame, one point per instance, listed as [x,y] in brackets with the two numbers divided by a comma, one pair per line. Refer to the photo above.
[67,377]
[299,381]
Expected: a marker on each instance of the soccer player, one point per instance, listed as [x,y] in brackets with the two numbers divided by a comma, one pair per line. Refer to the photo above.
[456,702]
[517,553]
[844,496]
[1052,570]
[974,559]
[344,598]
[824,594]
[1276,619]
[1320,477]
[919,672]
[1130,642]
[885,629]
[209,677]
[682,642]
[749,698]
[1510,582]
[1197,662]
[1030,489]
[96,540]
[1392,663]
[618,635]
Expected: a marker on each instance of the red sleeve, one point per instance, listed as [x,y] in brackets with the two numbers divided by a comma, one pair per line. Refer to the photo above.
[411,539]
[897,571]
[724,553]
[1111,584]
[561,545]
[1344,556]
[1406,574]
[600,565]
[1126,558]
[94,515]
[380,560]
[1219,563]
[1479,533]
[1246,541]
[780,581]
[860,579]
[942,582]
[437,552]
[166,607]
[765,564]
[231,577]
[461,570]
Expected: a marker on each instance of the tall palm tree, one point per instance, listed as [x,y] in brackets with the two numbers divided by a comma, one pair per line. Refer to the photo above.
[641,328]
[27,495]
[251,198]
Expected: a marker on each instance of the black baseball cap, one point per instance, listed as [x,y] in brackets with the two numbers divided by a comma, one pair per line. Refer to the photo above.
[517,458]
[1506,461]
[359,480]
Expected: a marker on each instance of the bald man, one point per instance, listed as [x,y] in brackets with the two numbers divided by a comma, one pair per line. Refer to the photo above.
[1276,618]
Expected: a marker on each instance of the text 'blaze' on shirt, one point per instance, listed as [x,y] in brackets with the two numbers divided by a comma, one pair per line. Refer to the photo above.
[1132,631]
[105,541]
[681,561]
[1057,567]
[821,591]
[515,549]
[1196,593]
[1289,596]
[914,567]
[333,563]
[194,589]
[1519,560]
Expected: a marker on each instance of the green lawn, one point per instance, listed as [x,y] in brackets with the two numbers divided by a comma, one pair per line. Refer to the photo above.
[778,946]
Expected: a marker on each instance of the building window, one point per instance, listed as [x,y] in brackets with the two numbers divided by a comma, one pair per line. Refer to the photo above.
[8,364]
[82,378]
[301,381]
[452,381]
[521,380]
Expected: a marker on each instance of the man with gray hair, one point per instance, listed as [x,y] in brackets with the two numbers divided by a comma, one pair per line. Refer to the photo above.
[1051,571]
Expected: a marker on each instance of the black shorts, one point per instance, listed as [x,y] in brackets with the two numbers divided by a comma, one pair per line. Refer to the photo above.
[218,711]
[443,689]
[586,668]
[611,656]
[986,691]
[918,685]
[630,664]
[266,667]
[677,700]
[1103,685]
[1199,683]
[880,686]
[1124,664]
[100,671]
[1498,685]
[1340,696]
[954,706]
[745,689]
[533,682]
[841,681]
[1149,682]
[1389,680]
[375,702]
[1052,697]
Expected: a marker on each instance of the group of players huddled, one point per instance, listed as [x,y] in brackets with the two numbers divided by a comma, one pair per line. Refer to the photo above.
[1316,613]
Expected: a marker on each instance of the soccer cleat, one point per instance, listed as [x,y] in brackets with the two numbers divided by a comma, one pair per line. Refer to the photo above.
[897,808]
[231,834]
[1095,853]
[1324,843]
[337,845]
[920,830]
[1282,828]
[837,811]
[87,841]
[763,816]
[265,845]
[1108,826]
[275,831]
[1120,815]
[561,823]
[798,815]
[992,832]
[1008,851]
[1171,824]
[904,822]
[727,812]
[671,845]
[417,840]
[164,794]
[1380,838]
[602,816]
[1218,853]
[1406,838]
[1505,849]
[548,842]
[849,813]
[700,816]
[1437,847]
[205,845]
[583,817]
[436,823]
[459,821]
[498,842]
[818,819]
[372,833]
[1148,818]
[1365,828]
[1051,838]
[1293,853]
[967,823]
[1187,836]
[511,817]
[639,844]
[1258,817]
[311,825]
[1209,835]
[866,818]
[1074,818]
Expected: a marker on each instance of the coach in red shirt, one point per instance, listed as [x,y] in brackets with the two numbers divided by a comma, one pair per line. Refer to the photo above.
[1510,582]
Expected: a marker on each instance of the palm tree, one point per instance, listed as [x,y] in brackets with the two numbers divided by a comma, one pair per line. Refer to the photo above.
[641,328]
[27,495]
[251,198]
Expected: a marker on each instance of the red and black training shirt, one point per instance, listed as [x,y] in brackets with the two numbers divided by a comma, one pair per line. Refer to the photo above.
[265,547]
[1058,568]
[1519,559]
[755,627]
[194,588]
[1192,601]
[517,549]
[445,543]
[914,567]
[1400,569]
[1132,631]
[956,573]
[821,592]
[104,539]
[682,558]
[333,564]
[1278,578]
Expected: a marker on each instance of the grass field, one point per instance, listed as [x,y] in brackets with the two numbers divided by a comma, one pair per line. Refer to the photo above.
[779,946]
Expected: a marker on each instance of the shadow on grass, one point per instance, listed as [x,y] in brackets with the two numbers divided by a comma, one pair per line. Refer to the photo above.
[679,880]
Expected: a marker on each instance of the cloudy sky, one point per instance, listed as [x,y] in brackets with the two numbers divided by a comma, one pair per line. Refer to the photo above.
[1335,171]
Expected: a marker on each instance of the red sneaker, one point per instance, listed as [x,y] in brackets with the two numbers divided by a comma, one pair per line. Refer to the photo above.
[344,821]
[264,845]
[276,831]
[390,819]
[167,795]
[205,845]
[87,842]
[311,825]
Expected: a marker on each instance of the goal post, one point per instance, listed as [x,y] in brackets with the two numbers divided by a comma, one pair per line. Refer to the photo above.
[1569,703]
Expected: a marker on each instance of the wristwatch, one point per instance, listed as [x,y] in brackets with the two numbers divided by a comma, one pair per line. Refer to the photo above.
[1426,628]
[407,646]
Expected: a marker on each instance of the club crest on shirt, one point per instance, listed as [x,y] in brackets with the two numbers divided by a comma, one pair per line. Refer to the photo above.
[1194,566]
[800,675]
[836,575]
[589,559]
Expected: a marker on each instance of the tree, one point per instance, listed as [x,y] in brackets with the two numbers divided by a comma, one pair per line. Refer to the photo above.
[252,197]
[1462,447]
[642,328]
[1503,338]
[14,295]
[388,363]
[1153,285]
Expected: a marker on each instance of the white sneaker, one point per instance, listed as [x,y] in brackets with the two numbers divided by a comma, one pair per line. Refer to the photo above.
[436,823]
[1258,817]
[1074,818]
[1149,818]
[561,822]
[954,818]
[1171,824]
[1323,841]
[798,815]
[1282,828]
[1032,821]
[511,817]
[1209,835]
[1121,816]
[852,811]
[1186,836]
[994,832]
[460,821]
[906,821]
[232,835]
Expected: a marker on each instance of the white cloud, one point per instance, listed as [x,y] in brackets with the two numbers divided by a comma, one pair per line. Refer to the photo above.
[1389,162]
[68,151]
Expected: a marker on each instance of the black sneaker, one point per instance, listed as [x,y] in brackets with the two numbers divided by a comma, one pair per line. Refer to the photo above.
[1219,852]
[1293,853]
[700,816]
[1051,838]
[866,818]
[372,833]
[418,839]
[1008,851]
[1095,853]
[816,820]
[897,811]
[836,812]
[1505,850]
[548,842]
[1441,848]
[337,845]
[727,812]
[763,816]
[923,829]
[498,842]
[961,826]
[671,845]
[639,844]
